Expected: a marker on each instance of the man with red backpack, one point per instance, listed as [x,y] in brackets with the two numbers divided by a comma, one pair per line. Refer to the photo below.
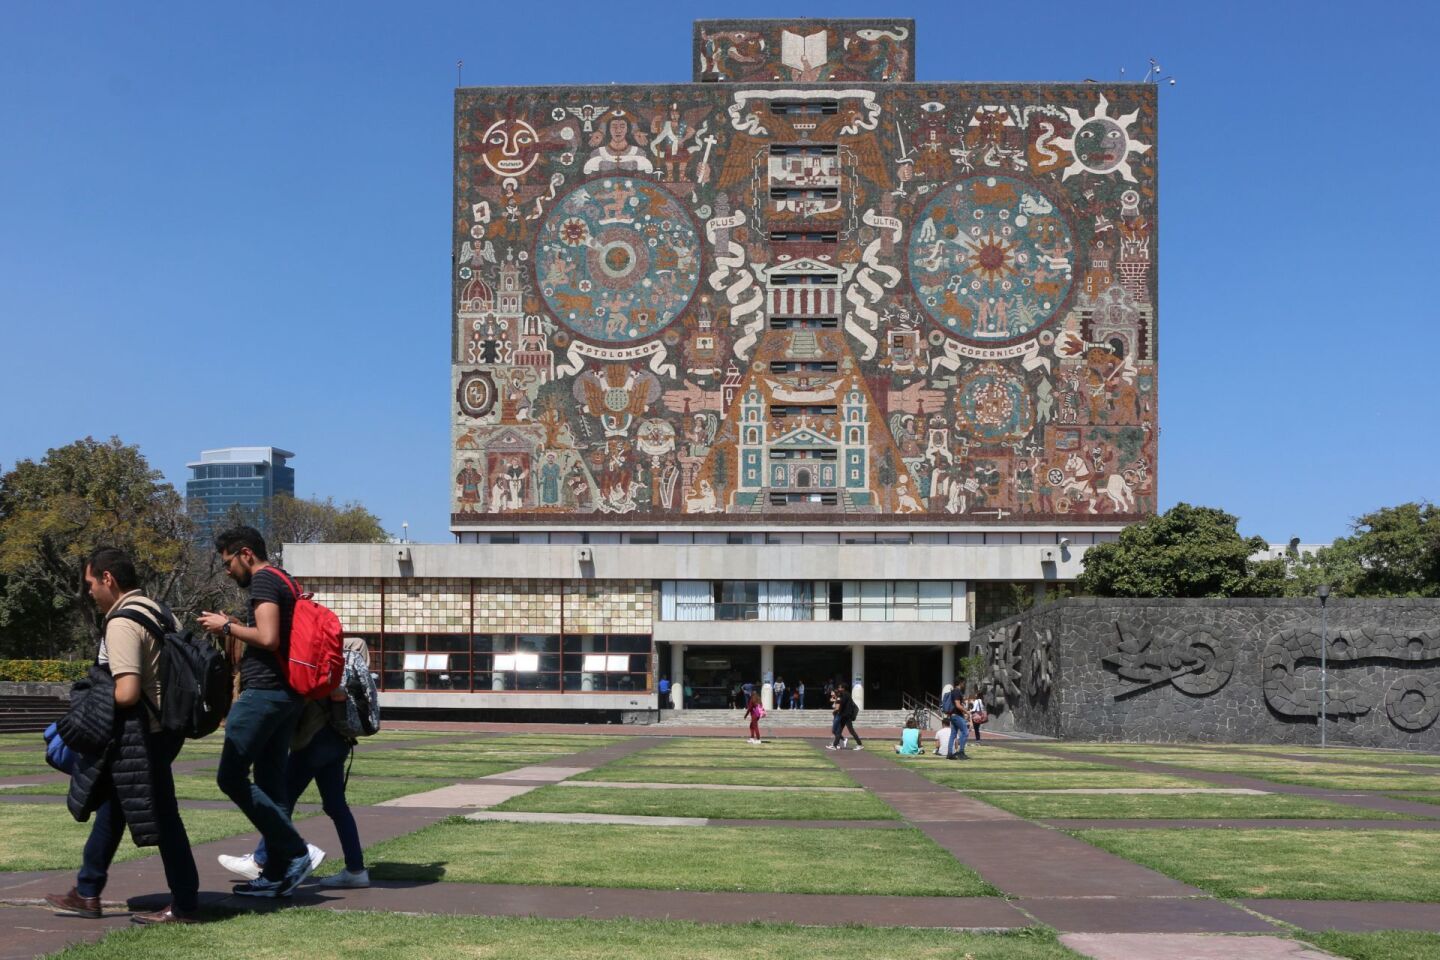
[262,720]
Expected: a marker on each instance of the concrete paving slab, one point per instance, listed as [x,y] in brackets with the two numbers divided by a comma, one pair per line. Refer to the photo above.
[1144,915]
[34,931]
[543,773]
[626,785]
[619,819]
[1080,824]
[1189,946]
[460,796]
[1351,917]
[948,806]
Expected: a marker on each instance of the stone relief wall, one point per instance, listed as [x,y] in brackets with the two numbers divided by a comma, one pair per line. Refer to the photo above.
[1221,670]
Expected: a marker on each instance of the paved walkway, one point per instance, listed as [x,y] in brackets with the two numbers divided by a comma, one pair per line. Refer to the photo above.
[1101,902]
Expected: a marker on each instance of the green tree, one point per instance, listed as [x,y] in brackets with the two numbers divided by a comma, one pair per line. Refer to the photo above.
[1392,552]
[1188,551]
[55,511]
[296,520]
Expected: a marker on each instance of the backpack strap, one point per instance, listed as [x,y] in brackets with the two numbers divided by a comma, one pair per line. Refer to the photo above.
[289,581]
[152,627]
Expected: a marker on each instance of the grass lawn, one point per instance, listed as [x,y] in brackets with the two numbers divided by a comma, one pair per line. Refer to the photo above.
[714,804]
[751,859]
[740,776]
[1388,781]
[758,759]
[36,836]
[1382,945]
[957,774]
[327,935]
[379,765]
[1287,864]
[1418,797]
[1203,806]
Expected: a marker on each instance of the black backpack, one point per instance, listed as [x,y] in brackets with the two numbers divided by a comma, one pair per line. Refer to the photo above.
[195,677]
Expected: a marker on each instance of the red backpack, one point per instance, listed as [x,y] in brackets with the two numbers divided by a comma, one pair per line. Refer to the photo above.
[317,661]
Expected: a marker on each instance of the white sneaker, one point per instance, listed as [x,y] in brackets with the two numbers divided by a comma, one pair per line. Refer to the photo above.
[348,880]
[859,746]
[241,866]
[317,856]
[845,744]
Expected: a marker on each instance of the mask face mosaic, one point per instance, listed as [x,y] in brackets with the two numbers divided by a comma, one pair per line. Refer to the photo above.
[806,292]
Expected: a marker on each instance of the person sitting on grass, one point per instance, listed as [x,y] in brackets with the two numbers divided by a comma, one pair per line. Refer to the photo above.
[909,745]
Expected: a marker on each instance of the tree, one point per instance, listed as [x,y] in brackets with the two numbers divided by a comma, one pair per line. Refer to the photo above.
[1188,551]
[54,512]
[293,520]
[1392,552]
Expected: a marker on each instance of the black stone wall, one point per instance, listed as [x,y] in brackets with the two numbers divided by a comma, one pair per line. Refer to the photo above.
[1245,671]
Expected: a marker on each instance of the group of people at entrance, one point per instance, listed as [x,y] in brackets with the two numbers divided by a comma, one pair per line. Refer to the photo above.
[843,710]
[275,741]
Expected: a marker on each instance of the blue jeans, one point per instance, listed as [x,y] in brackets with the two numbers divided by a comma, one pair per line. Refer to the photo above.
[323,760]
[257,736]
[959,733]
[109,829]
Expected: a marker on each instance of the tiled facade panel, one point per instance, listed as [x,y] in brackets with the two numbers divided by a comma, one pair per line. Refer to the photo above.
[843,51]
[517,606]
[799,300]
[427,606]
[356,602]
[610,606]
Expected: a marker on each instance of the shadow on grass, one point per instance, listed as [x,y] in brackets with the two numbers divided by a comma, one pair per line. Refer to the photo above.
[408,874]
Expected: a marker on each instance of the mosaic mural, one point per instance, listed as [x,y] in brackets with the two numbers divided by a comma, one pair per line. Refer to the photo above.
[805,300]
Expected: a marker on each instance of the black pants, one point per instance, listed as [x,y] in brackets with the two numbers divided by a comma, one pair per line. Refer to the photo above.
[109,829]
[840,726]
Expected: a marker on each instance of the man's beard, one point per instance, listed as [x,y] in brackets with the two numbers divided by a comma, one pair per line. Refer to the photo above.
[243,579]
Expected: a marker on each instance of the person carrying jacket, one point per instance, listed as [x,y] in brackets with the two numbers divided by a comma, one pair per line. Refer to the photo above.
[953,709]
[132,781]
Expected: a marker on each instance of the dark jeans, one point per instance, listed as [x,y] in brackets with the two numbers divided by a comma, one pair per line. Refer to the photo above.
[323,760]
[959,732]
[839,726]
[109,829]
[257,736]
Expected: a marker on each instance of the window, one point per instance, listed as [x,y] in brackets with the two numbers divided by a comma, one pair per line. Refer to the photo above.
[412,661]
[804,323]
[737,599]
[614,663]
[804,236]
[804,107]
[517,662]
[803,366]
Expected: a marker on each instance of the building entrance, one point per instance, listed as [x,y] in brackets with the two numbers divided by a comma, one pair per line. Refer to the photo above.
[891,671]
[813,665]
[715,672]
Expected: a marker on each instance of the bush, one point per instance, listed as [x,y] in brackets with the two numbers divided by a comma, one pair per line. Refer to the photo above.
[42,671]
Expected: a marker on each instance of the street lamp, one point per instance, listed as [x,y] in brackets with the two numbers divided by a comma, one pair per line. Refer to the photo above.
[1323,592]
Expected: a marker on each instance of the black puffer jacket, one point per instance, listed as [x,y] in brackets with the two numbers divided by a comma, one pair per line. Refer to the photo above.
[89,724]
[120,769]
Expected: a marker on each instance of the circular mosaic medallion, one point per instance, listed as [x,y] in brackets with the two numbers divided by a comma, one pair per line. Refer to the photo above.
[992,259]
[994,404]
[617,260]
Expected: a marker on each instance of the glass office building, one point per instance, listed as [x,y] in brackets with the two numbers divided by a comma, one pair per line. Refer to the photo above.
[231,478]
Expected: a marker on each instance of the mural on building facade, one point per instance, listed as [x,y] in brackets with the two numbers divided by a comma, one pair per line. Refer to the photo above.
[905,301]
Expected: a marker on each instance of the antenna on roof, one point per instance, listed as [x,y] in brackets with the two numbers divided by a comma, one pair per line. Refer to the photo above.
[459,66]
[1153,75]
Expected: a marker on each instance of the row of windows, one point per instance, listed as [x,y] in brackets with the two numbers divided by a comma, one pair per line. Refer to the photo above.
[228,471]
[807,600]
[1049,538]
[503,662]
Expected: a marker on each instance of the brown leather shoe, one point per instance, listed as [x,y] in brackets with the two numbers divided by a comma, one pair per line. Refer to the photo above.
[167,915]
[72,902]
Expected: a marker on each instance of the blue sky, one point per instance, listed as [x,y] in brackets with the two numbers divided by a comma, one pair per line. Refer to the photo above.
[228,224]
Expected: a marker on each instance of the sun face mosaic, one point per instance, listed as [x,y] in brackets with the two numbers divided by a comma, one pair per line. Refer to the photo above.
[808,294]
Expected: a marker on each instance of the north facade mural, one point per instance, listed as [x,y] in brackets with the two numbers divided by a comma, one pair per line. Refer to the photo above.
[805,299]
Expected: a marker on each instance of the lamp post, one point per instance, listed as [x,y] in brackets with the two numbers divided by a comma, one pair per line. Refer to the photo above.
[1324,594]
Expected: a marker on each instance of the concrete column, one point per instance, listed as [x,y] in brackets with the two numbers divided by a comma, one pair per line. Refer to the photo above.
[677,675]
[947,667]
[767,676]
[587,680]
[412,677]
[857,674]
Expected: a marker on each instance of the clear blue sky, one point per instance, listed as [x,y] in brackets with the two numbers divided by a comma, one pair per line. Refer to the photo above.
[229,224]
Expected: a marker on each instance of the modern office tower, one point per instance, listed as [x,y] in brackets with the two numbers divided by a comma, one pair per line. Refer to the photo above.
[802,369]
[237,477]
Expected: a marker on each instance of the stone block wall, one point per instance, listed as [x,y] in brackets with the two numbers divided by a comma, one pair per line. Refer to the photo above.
[1246,671]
